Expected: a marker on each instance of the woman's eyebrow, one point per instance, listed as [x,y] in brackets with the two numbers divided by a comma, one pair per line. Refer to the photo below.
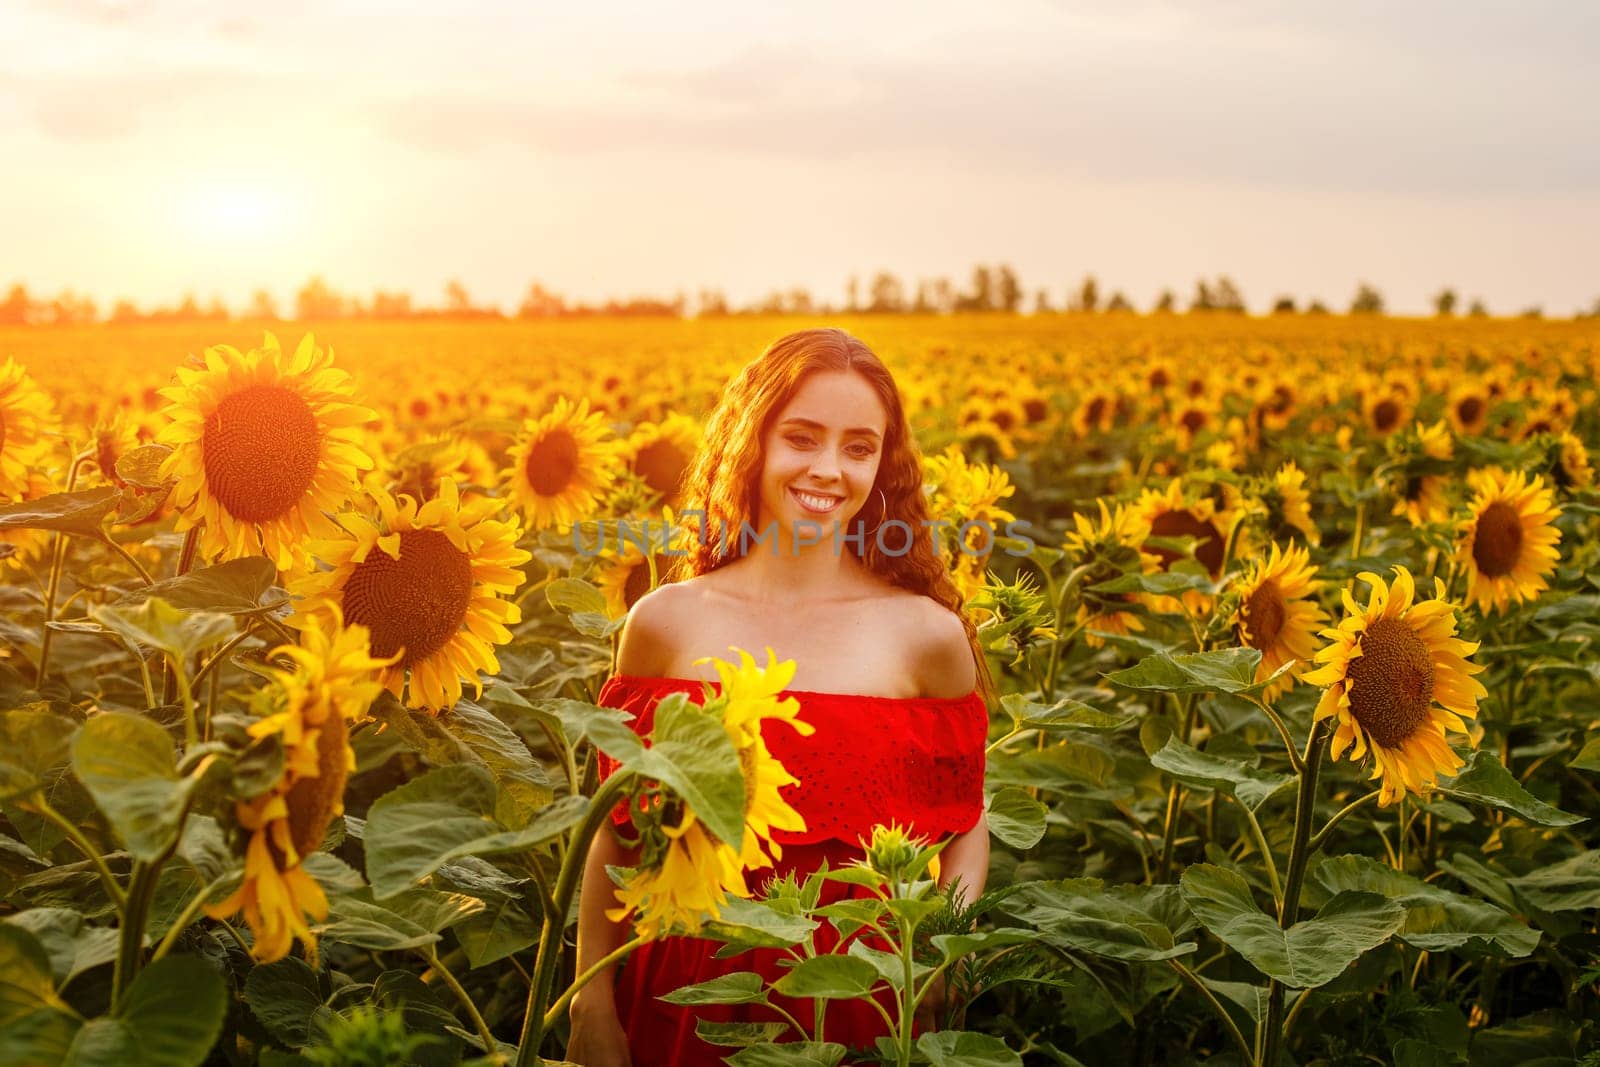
[869,431]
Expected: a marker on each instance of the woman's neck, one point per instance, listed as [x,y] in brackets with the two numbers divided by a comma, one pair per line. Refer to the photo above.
[783,571]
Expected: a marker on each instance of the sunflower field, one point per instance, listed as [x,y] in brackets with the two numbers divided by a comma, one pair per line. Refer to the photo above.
[1296,758]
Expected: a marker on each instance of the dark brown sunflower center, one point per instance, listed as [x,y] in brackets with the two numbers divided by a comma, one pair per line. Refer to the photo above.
[661,464]
[1193,420]
[260,448]
[1498,541]
[1469,410]
[1414,487]
[416,602]
[1264,614]
[1282,398]
[1097,408]
[1185,523]
[1035,409]
[1391,682]
[1385,416]
[637,584]
[312,801]
[552,462]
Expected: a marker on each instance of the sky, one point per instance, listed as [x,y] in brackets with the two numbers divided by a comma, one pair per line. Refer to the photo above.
[150,148]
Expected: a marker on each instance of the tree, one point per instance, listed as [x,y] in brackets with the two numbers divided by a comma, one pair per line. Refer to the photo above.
[386,305]
[125,311]
[1316,307]
[262,306]
[316,300]
[17,310]
[1008,291]
[1167,302]
[1367,301]
[1088,295]
[800,302]
[713,303]
[981,298]
[1227,296]
[1041,303]
[1444,304]
[1203,299]
[944,295]
[541,303]
[923,304]
[888,295]
[1478,310]
[1118,302]
[852,293]
[1284,305]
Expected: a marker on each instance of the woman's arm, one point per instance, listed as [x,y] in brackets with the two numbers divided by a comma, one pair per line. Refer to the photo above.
[599,936]
[967,857]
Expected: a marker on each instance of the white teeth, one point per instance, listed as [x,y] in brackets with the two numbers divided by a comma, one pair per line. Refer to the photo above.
[817,503]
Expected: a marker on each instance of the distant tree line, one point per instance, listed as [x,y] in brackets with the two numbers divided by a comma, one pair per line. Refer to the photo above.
[991,288]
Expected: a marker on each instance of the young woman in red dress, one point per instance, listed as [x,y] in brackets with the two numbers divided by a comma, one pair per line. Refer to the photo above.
[889,672]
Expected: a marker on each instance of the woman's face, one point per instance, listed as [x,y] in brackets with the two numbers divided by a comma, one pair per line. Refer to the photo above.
[822,453]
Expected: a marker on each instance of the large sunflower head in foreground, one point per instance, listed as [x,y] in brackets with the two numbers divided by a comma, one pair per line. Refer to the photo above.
[686,873]
[428,583]
[264,445]
[330,684]
[1396,679]
[1278,613]
[562,466]
[1508,540]
[26,419]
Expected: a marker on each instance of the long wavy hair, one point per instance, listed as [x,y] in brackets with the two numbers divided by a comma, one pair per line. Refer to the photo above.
[724,480]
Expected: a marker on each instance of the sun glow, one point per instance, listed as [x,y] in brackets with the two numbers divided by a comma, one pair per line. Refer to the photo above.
[239,213]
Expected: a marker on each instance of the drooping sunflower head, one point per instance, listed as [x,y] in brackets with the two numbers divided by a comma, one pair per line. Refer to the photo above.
[1108,549]
[1508,541]
[27,418]
[264,446]
[1567,461]
[429,583]
[1279,614]
[1288,504]
[1173,513]
[563,464]
[1396,679]
[330,682]
[688,882]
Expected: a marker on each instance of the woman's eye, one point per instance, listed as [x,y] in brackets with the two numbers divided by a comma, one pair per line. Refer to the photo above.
[863,452]
[800,440]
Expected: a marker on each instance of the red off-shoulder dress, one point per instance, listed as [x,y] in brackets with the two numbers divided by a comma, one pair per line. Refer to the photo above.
[917,762]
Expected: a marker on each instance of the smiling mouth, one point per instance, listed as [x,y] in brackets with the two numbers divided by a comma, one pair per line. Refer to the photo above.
[816,503]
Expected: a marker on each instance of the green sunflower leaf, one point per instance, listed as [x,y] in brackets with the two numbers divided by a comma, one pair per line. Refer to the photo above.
[1487,781]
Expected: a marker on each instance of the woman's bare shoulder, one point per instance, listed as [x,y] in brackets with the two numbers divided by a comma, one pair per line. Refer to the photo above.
[941,653]
[654,629]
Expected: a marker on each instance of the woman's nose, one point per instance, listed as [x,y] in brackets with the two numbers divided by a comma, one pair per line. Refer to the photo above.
[825,466]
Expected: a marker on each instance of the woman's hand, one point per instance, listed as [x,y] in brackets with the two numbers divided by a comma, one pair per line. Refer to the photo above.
[598,1039]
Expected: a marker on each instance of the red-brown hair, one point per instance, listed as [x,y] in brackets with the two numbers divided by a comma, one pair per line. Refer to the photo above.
[724,480]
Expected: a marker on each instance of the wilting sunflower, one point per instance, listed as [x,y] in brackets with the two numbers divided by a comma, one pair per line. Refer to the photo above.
[1569,462]
[1108,548]
[1397,678]
[563,465]
[1278,614]
[1508,540]
[660,453]
[686,873]
[1418,485]
[26,419]
[310,706]
[264,445]
[428,582]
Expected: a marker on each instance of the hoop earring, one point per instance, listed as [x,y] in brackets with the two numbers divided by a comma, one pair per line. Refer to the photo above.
[883,509]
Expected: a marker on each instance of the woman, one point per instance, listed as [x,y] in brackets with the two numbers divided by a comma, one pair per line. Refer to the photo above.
[809,443]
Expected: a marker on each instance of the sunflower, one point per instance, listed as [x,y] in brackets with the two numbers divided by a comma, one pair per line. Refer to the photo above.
[692,872]
[428,582]
[1278,613]
[27,418]
[660,453]
[1289,504]
[310,707]
[1396,679]
[752,695]
[563,465]
[1173,514]
[1386,412]
[1469,409]
[1508,540]
[625,569]
[1108,548]
[1569,467]
[263,445]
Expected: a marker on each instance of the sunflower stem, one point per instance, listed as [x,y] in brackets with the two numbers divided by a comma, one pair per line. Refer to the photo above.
[58,562]
[553,1015]
[187,916]
[555,916]
[1169,829]
[128,557]
[1289,910]
[490,1046]
[1360,531]
[1283,732]
[114,891]
[1221,1013]
[1320,838]
[1266,853]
